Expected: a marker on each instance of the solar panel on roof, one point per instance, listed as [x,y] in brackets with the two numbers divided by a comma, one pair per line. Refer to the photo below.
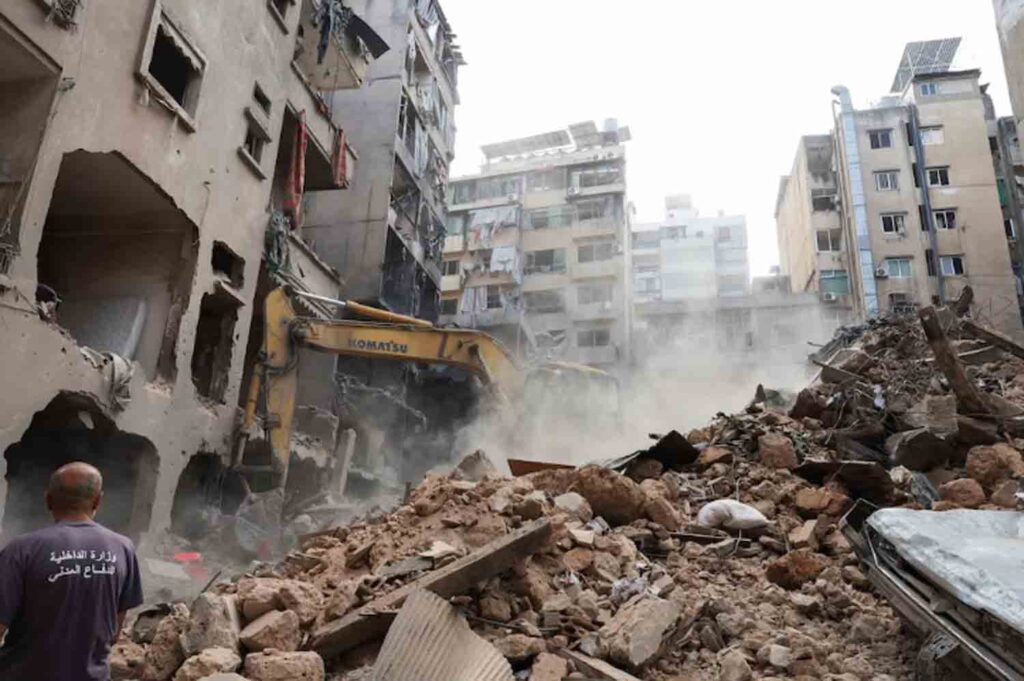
[928,56]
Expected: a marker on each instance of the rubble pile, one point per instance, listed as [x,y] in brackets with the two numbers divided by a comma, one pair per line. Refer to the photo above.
[715,555]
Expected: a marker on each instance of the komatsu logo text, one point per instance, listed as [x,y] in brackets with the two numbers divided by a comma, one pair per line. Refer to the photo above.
[378,346]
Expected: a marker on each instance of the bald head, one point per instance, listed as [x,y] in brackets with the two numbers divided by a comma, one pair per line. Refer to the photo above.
[75,489]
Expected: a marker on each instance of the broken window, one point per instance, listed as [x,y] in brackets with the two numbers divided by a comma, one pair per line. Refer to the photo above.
[595,252]
[594,338]
[880,139]
[546,261]
[887,180]
[544,302]
[952,265]
[938,177]
[215,336]
[894,223]
[121,268]
[945,218]
[830,240]
[175,67]
[227,264]
[602,292]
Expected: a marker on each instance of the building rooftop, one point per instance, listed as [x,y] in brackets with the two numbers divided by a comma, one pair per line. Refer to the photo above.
[926,56]
[577,136]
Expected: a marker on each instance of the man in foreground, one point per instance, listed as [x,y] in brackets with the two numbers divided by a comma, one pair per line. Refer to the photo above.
[64,590]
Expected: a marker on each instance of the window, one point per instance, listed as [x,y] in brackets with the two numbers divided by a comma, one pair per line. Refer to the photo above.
[588,294]
[261,99]
[597,175]
[486,188]
[887,180]
[836,282]
[594,209]
[256,138]
[898,268]
[175,67]
[493,297]
[279,8]
[449,306]
[880,139]
[550,218]
[227,264]
[450,267]
[900,303]
[952,265]
[894,223]
[829,240]
[1009,228]
[594,338]
[932,135]
[544,302]
[546,180]
[945,219]
[640,268]
[723,234]
[929,89]
[647,284]
[552,260]
[596,252]
[938,177]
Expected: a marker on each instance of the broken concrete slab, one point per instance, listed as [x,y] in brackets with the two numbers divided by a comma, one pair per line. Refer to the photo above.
[635,635]
[209,661]
[277,629]
[595,668]
[373,619]
[430,641]
[213,623]
[278,666]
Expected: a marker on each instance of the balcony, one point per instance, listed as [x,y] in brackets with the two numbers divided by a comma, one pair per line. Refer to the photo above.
[586,229]
[595,312]
[595,270]
[500,316]
[351,48]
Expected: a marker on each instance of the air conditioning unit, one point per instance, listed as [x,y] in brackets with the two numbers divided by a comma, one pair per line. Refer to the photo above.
[573,191]
[881,273]
[513,197]
[829,297]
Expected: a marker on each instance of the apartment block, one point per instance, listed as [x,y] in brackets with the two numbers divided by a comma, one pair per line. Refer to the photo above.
[917,200]
[534,253]
[386,231]
[1010,27]
[149,150]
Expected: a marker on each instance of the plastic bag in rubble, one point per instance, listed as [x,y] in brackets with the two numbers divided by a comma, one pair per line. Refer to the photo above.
[731,514]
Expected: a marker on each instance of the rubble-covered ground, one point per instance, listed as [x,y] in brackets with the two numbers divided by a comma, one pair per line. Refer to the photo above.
[627,574]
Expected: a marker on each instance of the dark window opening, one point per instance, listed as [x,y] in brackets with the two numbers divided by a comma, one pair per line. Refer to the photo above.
[594,338]
[450,268]
[923,216]
[73,427]
[254,143]
[449,306]
[122,270]
[215,339]
[261,99]
[206,490]
[929,260]
[228,264]
[281,7]
[880,139]
[493,297]
[174,70]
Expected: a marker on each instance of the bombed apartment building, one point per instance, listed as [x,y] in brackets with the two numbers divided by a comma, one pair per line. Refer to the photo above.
[908,212]
[534,254]
[149,149]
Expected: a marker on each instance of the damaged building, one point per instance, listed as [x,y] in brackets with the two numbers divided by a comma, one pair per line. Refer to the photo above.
[534,254]
[901,207]
[149,153]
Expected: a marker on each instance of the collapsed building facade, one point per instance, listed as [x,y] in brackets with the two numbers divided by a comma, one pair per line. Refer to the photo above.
[149,151]
[534,253]
[901,207]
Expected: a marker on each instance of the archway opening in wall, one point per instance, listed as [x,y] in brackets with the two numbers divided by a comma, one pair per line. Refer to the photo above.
[72,427]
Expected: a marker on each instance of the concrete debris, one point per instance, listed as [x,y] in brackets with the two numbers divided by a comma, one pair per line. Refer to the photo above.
[715,555]
[208,662]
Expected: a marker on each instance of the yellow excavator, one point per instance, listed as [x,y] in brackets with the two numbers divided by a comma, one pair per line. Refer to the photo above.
[532,399]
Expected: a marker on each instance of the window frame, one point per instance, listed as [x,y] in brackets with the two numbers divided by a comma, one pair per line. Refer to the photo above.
[940,217]
[530,267]
[875,138]
[892,180]
[899,274]
[941,171]
[595,249]
[952,260]
[449,301]
[494,289]
[595,334]
[591,287]
[932,129]
[834,245]
[898,222]
[929,89]
[187,112]
[445,266]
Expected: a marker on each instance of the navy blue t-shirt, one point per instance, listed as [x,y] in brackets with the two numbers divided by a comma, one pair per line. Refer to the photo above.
[61,589]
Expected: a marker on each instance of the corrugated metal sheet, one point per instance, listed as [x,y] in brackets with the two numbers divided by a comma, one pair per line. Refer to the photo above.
[429,641]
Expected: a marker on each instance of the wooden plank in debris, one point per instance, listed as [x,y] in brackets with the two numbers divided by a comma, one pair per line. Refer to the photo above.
[991,337]
[967,394]
[962,305]
[595,668]
[372,620]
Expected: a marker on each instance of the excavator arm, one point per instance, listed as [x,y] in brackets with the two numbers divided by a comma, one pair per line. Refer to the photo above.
[392,337]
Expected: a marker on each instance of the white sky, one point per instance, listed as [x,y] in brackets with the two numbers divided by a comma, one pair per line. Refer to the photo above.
[716,93]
